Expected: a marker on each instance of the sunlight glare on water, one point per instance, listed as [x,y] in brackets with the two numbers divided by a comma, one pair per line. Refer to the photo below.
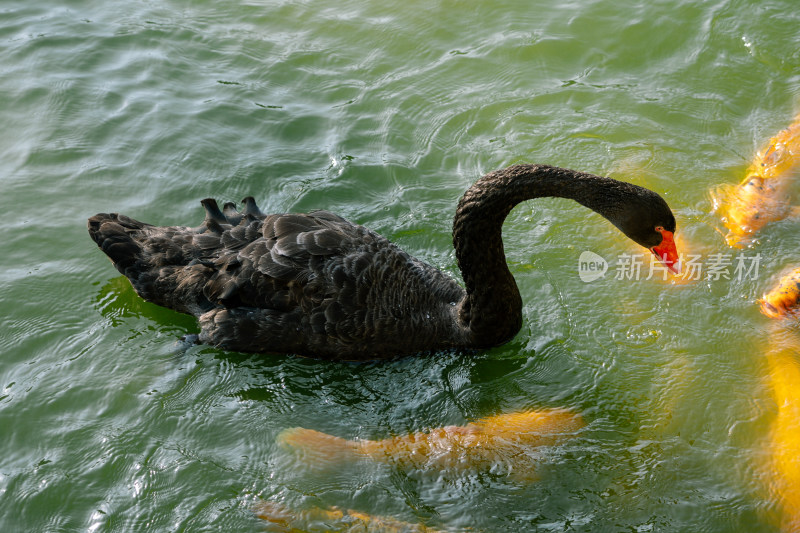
[385,113]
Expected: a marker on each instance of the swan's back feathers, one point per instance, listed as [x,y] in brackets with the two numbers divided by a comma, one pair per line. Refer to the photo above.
[313,284]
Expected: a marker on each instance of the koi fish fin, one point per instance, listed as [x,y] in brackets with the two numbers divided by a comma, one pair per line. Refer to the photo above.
[279,517]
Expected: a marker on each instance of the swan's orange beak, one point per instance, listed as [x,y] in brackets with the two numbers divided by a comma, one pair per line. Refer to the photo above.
[667,252]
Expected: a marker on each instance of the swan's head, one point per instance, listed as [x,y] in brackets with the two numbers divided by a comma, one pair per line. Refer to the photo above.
[647,220]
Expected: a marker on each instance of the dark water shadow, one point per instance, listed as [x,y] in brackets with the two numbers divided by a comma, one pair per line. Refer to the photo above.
[117,300]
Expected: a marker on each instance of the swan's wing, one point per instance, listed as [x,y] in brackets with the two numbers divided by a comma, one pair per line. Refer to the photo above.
[302,283]
[293,260]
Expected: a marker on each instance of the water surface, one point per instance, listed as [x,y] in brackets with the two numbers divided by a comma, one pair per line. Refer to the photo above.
[385,113]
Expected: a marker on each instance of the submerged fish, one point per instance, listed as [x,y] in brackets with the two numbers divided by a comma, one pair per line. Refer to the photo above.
[762,197]
[783,359]
[784,298]
[496,442]
[783,471]
[281,518]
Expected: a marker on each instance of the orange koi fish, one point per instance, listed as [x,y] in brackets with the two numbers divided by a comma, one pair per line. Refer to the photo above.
[502,441]
[762,197]
[281,518]
[784,299]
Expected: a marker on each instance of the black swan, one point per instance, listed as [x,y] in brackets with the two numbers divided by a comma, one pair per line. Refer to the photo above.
[317,285]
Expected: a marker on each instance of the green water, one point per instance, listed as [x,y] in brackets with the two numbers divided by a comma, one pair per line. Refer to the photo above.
[384,113]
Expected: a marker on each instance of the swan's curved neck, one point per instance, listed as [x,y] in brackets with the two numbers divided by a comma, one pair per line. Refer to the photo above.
[491,311]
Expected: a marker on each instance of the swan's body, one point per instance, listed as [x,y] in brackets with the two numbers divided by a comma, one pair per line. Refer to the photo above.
[317,285]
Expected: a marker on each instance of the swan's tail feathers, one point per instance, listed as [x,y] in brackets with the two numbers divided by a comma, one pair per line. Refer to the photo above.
[231,214]
[214,217]
[316,449]
[114,234]
[250,207]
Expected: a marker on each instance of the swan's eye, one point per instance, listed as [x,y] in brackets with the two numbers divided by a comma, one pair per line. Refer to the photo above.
[659,229]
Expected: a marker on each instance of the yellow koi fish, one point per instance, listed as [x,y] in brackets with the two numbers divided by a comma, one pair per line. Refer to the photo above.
[281,518]
[763,195]
[500,441]
[784,299]
[783,359]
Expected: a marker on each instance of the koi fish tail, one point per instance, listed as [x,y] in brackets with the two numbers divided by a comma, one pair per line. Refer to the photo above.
[316,448]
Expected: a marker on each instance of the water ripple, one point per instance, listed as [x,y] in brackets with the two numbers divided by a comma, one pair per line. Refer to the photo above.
[384,113]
